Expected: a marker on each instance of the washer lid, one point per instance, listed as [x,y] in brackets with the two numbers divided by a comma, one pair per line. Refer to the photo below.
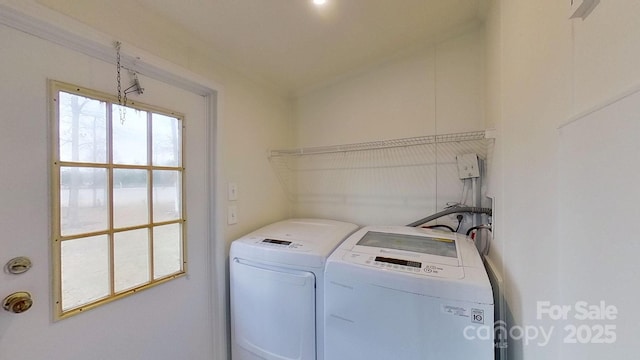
[402,265]
[419,244]
[406,242]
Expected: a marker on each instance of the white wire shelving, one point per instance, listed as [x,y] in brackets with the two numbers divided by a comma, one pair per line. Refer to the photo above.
[383,144]
[413,168]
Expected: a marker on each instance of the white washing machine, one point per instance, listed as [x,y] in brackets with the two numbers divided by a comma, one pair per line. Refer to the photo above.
[276,282]
[407,293]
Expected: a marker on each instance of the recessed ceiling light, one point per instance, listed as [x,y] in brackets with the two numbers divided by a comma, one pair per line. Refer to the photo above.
[319,2]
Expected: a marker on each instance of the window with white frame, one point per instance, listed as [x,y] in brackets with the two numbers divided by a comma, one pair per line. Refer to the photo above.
[118,218]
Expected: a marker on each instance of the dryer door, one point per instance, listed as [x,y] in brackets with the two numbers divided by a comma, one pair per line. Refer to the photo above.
[272,312]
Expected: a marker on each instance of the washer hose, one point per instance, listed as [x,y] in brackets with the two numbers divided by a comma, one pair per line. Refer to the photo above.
[452,210]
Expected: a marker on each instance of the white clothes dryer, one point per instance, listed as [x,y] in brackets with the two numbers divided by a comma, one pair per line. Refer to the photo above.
[395,292]
[276,283]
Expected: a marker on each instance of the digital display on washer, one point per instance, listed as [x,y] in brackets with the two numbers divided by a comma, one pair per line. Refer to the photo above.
[277,242]
[420,244]
[414,264]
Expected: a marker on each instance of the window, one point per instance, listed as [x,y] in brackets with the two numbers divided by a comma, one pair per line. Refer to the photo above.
[118,219]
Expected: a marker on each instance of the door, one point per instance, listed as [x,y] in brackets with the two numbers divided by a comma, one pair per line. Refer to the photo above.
[272,312]
[169,321]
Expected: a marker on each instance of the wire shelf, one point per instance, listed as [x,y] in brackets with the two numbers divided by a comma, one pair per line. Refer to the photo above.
[383,144]
[405,176]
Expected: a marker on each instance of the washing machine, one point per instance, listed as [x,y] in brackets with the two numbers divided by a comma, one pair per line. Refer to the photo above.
[276,283]
[395,292]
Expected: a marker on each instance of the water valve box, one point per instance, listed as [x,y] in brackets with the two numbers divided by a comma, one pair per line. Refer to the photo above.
[468,166]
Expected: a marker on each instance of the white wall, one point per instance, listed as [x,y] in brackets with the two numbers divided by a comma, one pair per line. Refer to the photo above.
[438,89]
[564,195]
[532,98]
[598,177]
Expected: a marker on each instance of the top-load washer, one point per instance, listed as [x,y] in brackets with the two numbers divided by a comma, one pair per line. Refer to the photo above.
[407,293]
[276,283]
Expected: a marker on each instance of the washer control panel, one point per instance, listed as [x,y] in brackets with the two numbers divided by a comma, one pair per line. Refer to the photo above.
[411,266]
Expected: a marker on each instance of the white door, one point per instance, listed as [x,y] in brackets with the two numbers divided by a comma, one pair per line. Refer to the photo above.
[169,321]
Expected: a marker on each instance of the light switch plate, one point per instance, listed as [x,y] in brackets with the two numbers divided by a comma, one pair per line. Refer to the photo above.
[233,191]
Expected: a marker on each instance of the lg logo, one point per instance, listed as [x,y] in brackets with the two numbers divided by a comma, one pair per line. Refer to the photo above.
[477,316]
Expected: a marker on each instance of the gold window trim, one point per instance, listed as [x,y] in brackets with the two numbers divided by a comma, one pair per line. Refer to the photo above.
[55,87]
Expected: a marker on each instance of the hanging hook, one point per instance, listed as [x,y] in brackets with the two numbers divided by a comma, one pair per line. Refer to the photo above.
[135,87]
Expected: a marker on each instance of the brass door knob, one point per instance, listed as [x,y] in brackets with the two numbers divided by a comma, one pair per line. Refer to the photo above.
[17,302]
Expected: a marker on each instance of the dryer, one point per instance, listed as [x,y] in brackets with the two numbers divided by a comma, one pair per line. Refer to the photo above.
[276,283]
[395,292]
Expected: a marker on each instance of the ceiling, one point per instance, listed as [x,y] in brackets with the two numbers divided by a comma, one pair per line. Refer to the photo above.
[294,45]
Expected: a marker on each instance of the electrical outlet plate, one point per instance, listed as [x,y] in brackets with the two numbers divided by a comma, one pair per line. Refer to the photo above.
[232,215]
